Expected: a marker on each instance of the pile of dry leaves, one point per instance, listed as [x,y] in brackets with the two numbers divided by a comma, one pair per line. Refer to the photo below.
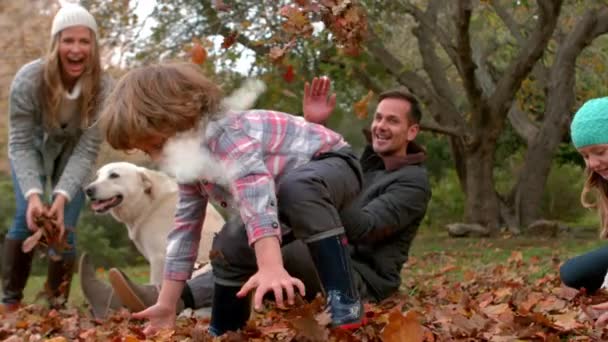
[497,303]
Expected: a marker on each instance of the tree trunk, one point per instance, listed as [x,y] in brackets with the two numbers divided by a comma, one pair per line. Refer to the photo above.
[481,204]
[530,189]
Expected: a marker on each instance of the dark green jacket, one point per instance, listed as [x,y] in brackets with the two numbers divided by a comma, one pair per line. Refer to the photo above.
[383,221]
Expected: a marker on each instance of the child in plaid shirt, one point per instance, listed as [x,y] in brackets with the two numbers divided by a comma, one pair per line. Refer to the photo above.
[284,179]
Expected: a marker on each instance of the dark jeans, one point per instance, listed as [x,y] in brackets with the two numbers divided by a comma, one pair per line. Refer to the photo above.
[309,198]
[586,271]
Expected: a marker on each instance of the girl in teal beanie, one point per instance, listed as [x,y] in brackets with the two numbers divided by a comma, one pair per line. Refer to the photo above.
[589,132]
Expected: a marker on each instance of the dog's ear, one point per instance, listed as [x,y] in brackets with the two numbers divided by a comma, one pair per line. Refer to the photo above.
[146,181]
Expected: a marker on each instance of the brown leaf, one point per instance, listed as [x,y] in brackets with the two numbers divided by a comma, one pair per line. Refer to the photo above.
[531,301]
[403,328]
[567,321]
[360,106]
[230,39]
[31,242]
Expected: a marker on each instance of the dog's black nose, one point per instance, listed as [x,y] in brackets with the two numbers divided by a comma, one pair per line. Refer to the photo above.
[90,191]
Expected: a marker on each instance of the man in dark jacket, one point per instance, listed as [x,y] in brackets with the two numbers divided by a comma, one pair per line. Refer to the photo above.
[381,224]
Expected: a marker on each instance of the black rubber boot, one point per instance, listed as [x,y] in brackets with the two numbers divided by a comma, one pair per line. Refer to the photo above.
[332,259]
[228,313]
[59,280]
[16,267]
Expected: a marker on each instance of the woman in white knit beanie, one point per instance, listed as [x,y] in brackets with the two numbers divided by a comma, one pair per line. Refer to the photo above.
[53,144]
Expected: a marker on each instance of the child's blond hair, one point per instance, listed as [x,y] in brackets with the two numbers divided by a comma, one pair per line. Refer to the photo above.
[158,101]
[600,185]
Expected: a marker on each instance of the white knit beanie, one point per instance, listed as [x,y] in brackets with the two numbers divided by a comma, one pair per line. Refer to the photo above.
[72,15]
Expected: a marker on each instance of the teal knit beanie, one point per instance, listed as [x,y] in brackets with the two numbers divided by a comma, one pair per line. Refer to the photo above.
[590,123]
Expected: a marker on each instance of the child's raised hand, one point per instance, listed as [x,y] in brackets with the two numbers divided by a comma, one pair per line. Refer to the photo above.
[317,104]
[160,317]
[274,279]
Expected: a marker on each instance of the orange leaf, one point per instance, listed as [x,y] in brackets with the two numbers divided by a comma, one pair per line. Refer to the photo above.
[131,338]
[361,105]
[516,257]
[22,325]
[403,328]
[199,54]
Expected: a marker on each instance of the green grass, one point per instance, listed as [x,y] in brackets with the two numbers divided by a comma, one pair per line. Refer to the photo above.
[432,252]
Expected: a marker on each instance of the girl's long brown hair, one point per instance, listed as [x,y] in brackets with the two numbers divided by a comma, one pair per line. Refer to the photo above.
[598,185]
[52,88]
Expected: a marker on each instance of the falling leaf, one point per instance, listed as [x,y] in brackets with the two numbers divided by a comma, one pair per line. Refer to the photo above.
[230,39]
[360,106]
[289,74]
[199,54]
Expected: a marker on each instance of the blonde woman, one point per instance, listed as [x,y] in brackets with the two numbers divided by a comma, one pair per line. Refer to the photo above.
[53,142]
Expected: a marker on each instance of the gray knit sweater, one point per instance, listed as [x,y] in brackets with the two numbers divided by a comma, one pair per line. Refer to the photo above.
[64,155]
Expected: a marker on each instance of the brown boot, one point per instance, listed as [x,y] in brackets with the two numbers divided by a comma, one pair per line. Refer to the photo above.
[135,297]
[58,281]
[100,295]
[16,267]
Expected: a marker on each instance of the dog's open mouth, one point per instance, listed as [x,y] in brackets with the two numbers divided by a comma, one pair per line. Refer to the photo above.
[101,206]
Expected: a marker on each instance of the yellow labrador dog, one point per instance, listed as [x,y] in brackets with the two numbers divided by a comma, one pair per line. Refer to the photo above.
[145,201]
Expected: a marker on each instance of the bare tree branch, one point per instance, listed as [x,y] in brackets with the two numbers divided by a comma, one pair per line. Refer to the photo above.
[529,54]
[522,125]
[436,128]
[432,63]
[563,76]
[509,22]
[417,85]
[428,21]
[466,67]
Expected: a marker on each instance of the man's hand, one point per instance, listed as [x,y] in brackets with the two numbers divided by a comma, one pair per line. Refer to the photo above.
[271,275]
[160,317]
[56,213]
[35,209]
[317,105]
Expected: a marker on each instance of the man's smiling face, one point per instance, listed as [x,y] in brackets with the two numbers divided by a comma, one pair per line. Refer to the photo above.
[391,128]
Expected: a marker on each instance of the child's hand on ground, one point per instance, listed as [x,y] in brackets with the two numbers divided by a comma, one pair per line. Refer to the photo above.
[602,320]
[160,317]
[274,279]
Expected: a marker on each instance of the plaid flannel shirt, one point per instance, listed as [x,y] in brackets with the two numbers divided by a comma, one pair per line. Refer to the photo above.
[259,147]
